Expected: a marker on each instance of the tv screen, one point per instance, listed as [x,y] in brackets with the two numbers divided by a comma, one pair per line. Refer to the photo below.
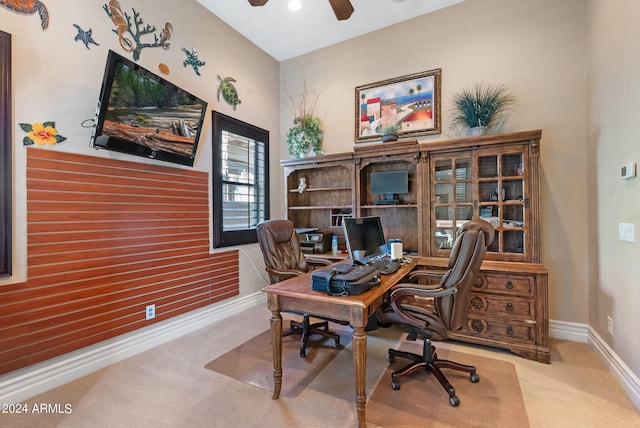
[142,114]
[389,182]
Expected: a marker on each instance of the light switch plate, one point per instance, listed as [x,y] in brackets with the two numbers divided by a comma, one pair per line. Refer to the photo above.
[628,170]
[626,232]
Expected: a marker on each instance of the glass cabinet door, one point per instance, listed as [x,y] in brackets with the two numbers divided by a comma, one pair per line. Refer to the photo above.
[453,201]
[502,199]
[486,183]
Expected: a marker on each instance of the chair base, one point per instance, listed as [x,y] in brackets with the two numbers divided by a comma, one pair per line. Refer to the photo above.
[431,364]
[306,329]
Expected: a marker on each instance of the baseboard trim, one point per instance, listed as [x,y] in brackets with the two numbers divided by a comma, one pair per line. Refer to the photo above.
[583,333]
[565,330]
[620,371]
[24,383]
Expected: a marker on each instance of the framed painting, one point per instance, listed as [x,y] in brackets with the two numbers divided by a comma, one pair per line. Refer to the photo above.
[406,106]
[5,154]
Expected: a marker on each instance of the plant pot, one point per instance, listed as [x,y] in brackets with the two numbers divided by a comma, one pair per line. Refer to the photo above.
[477,131]
[389,137]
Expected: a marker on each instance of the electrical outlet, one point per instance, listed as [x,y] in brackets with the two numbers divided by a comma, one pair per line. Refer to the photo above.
[150,312]
[610,326]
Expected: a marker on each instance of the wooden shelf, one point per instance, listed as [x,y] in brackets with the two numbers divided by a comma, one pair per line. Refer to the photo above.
[386,207]
[323,207]
[320,189]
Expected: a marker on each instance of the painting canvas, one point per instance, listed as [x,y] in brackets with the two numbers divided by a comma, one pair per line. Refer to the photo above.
[411,103]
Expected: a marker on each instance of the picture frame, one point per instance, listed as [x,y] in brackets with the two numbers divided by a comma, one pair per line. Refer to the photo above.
[411,102]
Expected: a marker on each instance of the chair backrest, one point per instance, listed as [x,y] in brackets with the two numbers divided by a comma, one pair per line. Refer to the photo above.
[281,249]
[465,259]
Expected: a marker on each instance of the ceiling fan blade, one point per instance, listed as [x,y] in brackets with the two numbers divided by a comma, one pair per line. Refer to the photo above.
[342,8]
[258,2]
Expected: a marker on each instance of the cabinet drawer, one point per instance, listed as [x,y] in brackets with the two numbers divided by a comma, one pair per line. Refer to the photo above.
[499,330]
[511,284]
[510,308]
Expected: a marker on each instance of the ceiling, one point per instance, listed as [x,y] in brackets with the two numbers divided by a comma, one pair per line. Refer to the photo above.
[284,34]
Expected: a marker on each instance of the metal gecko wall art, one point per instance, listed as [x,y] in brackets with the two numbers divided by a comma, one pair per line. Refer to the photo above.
[29,7]
[131,30]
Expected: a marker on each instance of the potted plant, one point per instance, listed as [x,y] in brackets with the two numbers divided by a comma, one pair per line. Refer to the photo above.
[304,135]
[390,133]
[482,108]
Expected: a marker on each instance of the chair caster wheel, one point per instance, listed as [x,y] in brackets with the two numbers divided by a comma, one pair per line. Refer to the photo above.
[454,401]
[395,385]
[474,378]
[392,358]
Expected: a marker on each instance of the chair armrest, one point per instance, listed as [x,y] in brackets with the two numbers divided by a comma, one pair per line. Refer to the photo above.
[318,261]
[424,274]
[420,290]
[405,294]
[284,274]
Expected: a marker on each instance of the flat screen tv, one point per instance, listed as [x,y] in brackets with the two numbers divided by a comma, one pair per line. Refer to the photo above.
[390,184]
[142,114]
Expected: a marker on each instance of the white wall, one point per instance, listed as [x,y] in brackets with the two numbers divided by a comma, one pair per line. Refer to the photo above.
[614,91]
[57,79]
[536,48]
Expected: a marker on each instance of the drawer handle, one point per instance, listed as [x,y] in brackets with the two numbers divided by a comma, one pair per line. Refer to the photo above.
[530,321]
[509,284]
[476,302]
[510,307]
[478,282]
[510,331]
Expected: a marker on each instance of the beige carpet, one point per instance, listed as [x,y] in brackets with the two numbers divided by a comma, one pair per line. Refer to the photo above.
[252,362]
[168,387]
[421,400]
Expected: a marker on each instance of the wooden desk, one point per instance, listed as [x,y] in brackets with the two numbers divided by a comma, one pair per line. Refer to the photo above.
[296,294]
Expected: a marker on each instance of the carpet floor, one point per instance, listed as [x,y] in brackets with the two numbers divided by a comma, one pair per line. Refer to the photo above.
[169,387]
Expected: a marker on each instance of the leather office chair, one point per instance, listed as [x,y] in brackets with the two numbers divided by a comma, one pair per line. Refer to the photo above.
[284,259]
[433,310]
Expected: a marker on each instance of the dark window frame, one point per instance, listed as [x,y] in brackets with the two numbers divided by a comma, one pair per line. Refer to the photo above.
[6,159]
[222,122]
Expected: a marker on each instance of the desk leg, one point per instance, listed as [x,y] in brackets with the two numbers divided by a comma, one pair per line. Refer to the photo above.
[276,341]
[359,342]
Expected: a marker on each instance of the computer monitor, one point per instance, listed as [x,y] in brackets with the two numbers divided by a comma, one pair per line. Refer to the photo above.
[365,238]
[389,183]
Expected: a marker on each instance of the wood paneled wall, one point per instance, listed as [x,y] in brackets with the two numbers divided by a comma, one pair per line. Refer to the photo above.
[105,239]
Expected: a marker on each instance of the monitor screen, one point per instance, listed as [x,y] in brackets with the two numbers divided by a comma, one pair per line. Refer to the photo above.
[389,182]
[365,238]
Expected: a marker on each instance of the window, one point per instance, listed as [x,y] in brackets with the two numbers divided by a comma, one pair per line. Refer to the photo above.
[240,180]
[5,154]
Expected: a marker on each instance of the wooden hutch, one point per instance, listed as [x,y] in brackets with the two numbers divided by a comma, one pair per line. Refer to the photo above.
[493,177]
